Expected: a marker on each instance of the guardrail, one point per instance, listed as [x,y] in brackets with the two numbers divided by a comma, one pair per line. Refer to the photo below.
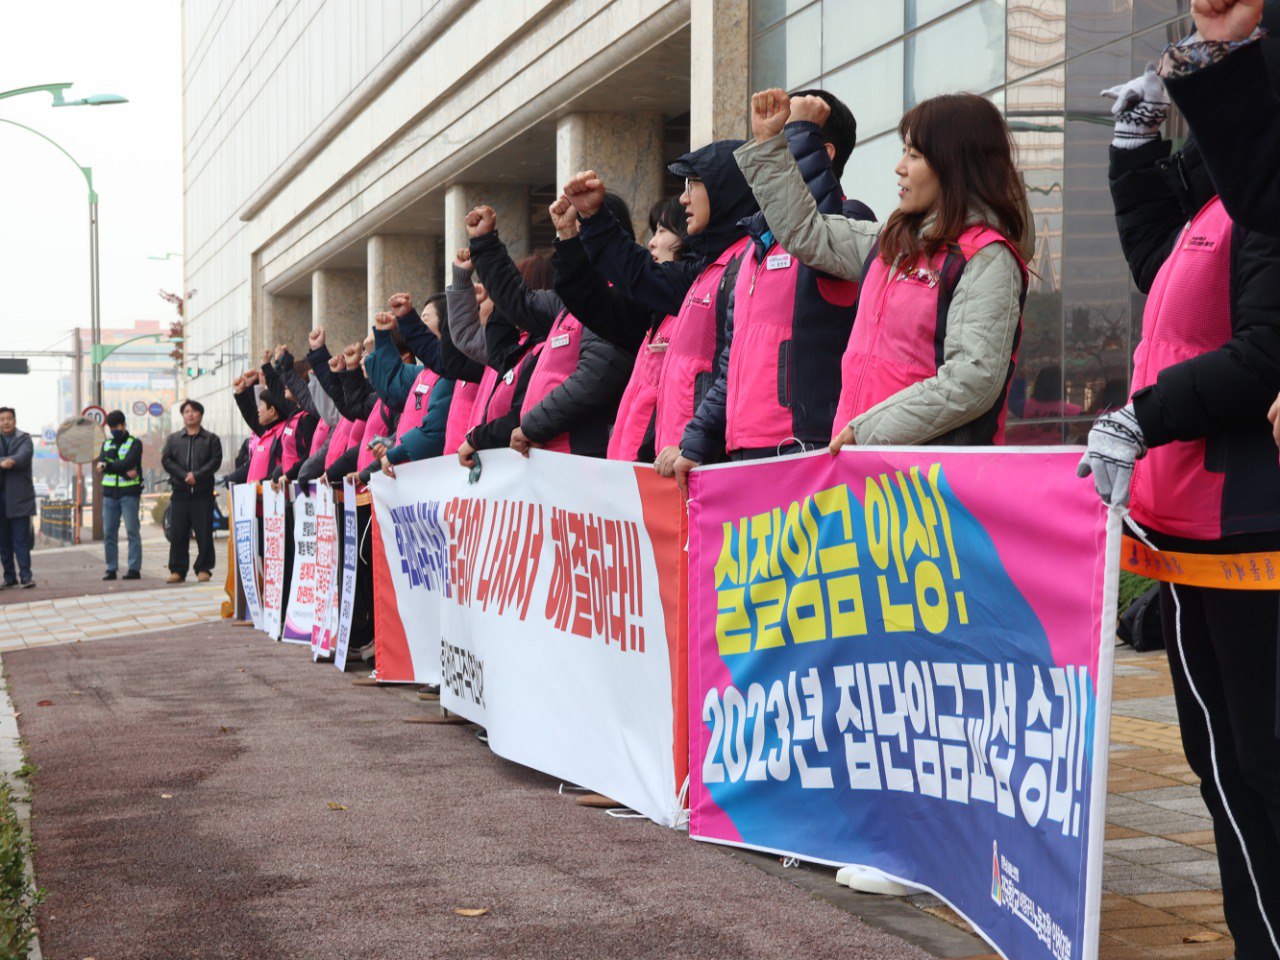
[58,520]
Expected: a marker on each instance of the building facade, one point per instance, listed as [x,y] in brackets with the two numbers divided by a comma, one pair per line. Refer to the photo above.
[331,148]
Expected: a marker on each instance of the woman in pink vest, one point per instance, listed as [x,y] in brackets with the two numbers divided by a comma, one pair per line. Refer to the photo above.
[578,378]
[1192,458]
[622,321]
[266,417]
[939,313]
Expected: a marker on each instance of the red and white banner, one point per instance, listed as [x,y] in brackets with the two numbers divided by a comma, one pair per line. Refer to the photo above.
[324,626]
[273,514]
[545,598]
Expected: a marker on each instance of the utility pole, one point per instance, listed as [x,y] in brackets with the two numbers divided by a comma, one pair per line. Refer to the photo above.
[77,379]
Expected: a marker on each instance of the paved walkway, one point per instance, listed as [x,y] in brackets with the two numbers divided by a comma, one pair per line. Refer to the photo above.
[1162,896]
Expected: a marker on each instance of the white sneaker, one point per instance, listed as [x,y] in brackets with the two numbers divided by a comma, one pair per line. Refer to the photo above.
[871,880]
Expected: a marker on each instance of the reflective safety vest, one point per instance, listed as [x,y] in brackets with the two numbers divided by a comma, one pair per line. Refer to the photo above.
[119,481]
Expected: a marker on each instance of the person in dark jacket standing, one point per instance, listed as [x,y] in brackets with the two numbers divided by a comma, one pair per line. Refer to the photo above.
[119,469]
[191,457]
[17,500]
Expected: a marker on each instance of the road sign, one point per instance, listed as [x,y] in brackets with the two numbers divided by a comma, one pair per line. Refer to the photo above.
[156,409]
[139,408]
[95,413]
[50,435]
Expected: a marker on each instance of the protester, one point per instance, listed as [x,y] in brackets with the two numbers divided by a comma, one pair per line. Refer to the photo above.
[1193,448]
[572,396]
[630,325]
[304,429]
[939,315]
[1222,79]
[191,457]
[784,317]
[119,469]
[694,289]
[17,500]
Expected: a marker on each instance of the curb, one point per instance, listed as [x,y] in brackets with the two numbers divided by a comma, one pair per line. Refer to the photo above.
[11,761]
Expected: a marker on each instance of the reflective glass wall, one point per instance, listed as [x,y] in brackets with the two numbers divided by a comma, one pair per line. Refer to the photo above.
[1043,62]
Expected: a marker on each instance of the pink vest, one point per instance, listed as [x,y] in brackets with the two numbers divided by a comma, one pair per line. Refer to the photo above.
[290,452]
[1188,313]
[320,435]
[378,425]
[260,455]
[556,362]
[497,391]
[415,405]
[691,353]
[893,344]
[341,440]
[460,409]
[758,405]
[640,399]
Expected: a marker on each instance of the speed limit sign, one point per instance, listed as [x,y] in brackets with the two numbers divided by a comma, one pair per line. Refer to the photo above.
[95,413]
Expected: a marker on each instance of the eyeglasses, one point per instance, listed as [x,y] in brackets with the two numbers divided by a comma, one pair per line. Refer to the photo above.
[689,182]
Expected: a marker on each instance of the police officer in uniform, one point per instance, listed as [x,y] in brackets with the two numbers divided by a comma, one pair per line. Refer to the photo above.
[119,469]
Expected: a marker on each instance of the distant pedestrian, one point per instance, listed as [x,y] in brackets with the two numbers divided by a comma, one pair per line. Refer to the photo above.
[191,457]
[17,500]
[119,468]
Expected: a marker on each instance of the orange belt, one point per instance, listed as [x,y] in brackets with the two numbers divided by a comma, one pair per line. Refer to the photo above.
[1222,571]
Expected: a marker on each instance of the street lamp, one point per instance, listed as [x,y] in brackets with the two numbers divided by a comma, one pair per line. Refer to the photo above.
[57,90]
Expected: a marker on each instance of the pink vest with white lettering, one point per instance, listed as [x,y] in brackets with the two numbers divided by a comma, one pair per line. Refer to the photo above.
[460,407]
[555,364]
[260,458]
[289,452]
[640,399]
[1188,313]
[691,354]
[415,405]
[497,391]
[893,344]
[378,425]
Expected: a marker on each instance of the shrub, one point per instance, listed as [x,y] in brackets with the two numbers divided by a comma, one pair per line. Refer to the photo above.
[158,508]
[18,895]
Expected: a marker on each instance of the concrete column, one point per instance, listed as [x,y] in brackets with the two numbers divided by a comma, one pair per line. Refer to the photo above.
[285,320]
[510,200]
[719,70]
[624,148]
[402,262]
[340,304]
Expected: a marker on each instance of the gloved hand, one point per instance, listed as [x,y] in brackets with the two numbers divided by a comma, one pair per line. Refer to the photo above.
[1140,107]
[1115,443]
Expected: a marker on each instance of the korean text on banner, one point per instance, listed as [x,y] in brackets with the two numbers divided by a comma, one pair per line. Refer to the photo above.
[899,659]
[302,594]
[555,584]
[350,555]
[273,533]
[327,570]
[244,509]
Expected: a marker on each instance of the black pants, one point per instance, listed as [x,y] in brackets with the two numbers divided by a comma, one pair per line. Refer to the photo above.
[1222,655]
[15,543]
[185,515]
[362,609]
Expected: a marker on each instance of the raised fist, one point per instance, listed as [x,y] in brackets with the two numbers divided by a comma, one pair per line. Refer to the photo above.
[281,350]
[481,220]
[239,385]
[770,110]
[400,305]
[585,191]
[811,108]
[351,354]
[336,365]
[266,355]
[383,320]
[315,339]
[251,377]
[1226,19]
[564,218]
[462,259]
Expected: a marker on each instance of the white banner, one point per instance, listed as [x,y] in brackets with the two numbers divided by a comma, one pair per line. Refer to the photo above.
[244,510]
[273,514]
[550,625]
[323,626]
[350,558]
[302,599]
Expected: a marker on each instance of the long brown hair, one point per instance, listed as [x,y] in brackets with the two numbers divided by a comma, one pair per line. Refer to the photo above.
[970,149]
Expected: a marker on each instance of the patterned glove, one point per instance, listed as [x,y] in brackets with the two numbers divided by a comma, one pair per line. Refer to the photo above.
[1140,107]
[1115,442]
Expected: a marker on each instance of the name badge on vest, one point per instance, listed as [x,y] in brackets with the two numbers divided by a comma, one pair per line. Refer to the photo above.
[288,431]
[423,388]
[560,341]
[659,346]
[1200,241]
[778,261]
[509,377]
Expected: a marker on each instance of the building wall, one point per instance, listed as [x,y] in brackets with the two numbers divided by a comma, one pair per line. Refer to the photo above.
[1042,62]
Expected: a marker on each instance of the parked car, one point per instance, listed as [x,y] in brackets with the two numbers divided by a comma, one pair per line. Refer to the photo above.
[42,490]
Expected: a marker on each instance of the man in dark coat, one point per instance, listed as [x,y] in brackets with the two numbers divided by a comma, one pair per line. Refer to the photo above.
[191,457]
[17,500]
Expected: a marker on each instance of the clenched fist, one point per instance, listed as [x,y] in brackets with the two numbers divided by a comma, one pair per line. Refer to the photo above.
[564,218]
[481,220]
[770,110]
[315,339]
[585,191]
[400,305]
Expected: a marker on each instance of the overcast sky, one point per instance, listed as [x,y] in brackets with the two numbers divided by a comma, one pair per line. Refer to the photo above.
[132,48]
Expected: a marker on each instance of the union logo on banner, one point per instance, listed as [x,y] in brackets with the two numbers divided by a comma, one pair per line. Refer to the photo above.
[995,873]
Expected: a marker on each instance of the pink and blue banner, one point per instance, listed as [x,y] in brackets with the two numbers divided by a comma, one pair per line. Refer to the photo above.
[901,658]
